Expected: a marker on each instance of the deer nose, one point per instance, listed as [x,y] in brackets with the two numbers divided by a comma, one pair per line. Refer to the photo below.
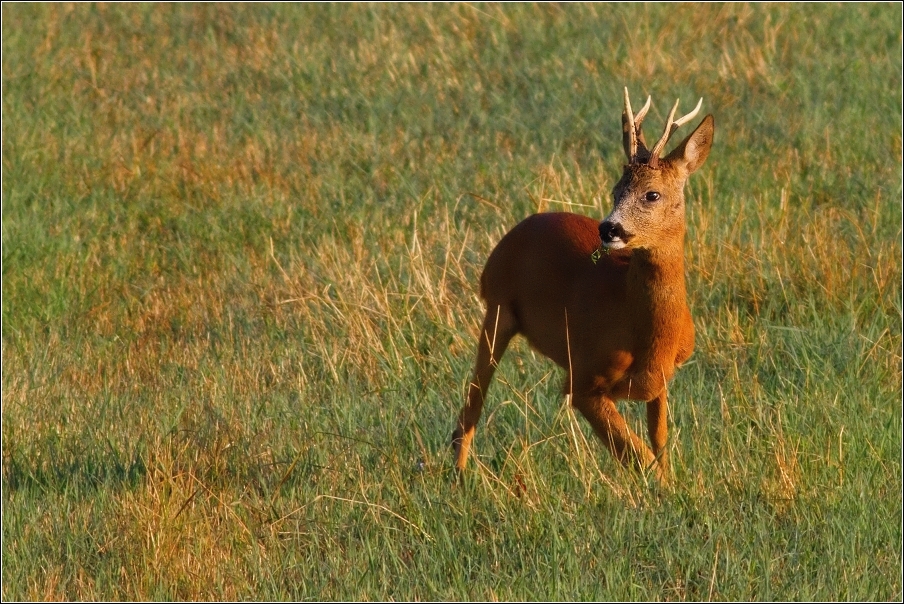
[612,231]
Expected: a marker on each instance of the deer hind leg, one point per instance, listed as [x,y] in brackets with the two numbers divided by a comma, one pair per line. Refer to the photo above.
[499,326]
[657,428]
[612,429]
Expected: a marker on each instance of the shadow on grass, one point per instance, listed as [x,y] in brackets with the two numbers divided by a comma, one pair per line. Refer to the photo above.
[77,475]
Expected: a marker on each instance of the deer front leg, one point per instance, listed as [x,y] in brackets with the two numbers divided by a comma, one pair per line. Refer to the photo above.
[657,428]
[612,429]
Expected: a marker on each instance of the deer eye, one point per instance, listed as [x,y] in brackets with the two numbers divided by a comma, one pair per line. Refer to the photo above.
[652,196]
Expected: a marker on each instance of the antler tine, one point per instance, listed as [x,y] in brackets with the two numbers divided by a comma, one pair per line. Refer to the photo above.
[689,116]
[670,126]
[657,149]
[633,140]
[642,113]
[642,155]
[629,131]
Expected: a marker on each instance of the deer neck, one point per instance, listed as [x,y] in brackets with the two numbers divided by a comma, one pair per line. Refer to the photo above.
[656,290]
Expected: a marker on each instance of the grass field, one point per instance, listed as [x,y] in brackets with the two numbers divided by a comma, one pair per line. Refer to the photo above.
[241,247]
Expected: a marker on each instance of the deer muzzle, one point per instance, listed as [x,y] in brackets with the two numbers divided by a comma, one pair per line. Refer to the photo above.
[613,235]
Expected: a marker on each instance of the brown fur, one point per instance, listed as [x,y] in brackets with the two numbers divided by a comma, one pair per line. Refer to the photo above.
[619,327]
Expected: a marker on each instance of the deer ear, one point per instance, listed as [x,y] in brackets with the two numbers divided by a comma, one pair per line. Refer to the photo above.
[694,150]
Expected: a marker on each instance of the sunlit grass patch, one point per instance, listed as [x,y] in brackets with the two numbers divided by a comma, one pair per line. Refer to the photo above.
[241,247]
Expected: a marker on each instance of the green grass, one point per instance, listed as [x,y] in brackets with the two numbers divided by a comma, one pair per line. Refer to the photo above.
[241,247]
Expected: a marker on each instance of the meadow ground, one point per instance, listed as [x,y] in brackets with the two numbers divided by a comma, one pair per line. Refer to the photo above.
[241,247]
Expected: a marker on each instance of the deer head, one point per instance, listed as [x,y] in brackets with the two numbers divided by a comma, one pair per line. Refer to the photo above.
[648,207]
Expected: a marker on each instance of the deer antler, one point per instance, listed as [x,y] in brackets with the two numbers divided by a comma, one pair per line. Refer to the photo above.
[670,126]
[631,133]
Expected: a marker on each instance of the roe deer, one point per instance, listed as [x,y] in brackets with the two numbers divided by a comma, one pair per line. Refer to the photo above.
[606,301]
